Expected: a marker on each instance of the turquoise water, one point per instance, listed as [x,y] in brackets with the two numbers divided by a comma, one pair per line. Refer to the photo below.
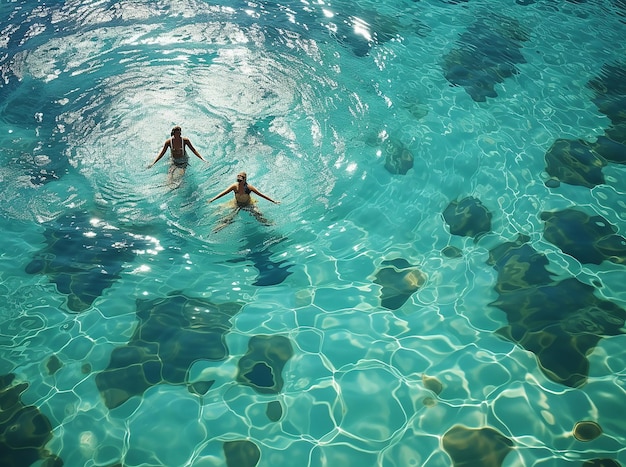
[442,283]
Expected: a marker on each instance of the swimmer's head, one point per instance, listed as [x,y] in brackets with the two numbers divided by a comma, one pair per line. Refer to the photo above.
[241,177]
[176,129]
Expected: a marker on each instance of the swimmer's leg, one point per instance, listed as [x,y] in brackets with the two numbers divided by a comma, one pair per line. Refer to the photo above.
[175,176]
[258,215]
[226,220]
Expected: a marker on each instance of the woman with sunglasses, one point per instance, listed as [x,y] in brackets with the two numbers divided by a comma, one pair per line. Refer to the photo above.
[243,200]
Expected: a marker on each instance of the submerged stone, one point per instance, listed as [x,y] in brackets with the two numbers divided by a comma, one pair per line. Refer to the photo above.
[53,364]
[241,453]
[519,266]
[552,183]
[84,256]
[601,463]
[589,239]
[262,365]
[485,56]
[468,218]
[452,252]
[575,162]
[609,88]
[616,134]
[274,411]
[484,447]
[398,158]
[429,402]
[559,321]
[200,388]
[579,162]
[432,384]
[609,149]
[24,430]
[261,376]
[587,431]
[399,280]
[171,335]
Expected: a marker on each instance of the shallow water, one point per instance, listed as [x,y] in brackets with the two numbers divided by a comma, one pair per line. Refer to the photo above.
[442,283]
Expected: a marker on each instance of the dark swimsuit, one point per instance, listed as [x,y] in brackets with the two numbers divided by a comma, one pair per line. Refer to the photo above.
[183,161]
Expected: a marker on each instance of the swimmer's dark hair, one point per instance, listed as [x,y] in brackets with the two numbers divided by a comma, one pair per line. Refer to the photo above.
[175,129]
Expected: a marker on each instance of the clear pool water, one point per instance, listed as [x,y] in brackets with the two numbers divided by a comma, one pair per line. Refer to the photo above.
[442,283]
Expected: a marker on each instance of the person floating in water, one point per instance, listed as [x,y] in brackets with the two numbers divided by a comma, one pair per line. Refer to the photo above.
[179,159]
[243,200]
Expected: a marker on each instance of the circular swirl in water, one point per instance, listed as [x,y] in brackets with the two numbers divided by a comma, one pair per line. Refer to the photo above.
[248,96]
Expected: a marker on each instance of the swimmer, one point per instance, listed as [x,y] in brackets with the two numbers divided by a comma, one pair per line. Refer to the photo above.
[179,157]
[243,200]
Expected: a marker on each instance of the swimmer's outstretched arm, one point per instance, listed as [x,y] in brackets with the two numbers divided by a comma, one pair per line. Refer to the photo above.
[188,143]
[165,146]
[254,190]
[233,187]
